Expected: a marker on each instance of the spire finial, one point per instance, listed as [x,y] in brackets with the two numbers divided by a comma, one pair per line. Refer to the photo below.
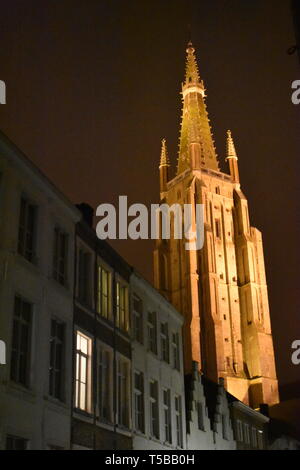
[192,74]
[196,146]
[232,159]
[164,159]
[231,152]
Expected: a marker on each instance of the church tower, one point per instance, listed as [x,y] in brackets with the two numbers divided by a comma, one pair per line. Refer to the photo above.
[220,289]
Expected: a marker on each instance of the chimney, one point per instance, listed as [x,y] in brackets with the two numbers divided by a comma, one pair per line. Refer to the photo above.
[264,409]
[87,213]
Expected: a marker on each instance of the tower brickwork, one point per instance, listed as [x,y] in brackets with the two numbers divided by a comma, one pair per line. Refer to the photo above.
[220,289]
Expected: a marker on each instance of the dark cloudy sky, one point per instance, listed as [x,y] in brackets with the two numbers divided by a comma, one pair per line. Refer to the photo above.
[93,86]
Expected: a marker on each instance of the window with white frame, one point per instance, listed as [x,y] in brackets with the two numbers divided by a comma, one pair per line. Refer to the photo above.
[164,342]
[84,276]
[260,439]
[57,353]
[123,393]
[104,292]
[137,319]
[105,384]
[254,437]
[247,433]
[154,409]
[139,406]
[167,415]
[27,229]
[178,417]
[152,332]
[239,431]
[175,351]
[60,256]
[200,415]
[122,314]
[21,341]
[224,426]
[83,372]
[16,443]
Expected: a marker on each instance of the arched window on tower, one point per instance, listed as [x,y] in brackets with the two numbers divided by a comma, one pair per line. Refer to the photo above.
[163,273]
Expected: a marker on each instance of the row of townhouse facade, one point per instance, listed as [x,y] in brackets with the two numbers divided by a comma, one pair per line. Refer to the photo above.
[93,353]
[37,239]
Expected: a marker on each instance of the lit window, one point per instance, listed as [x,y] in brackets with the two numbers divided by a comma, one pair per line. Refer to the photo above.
[27,229]
[152,332]
[83,368]
[104,385]
[60,256]
[20,351]
[167,415]
[57,338]
[137,319]
[178,416]
[154,411]
[139,401]
[122,318]
[164,342]
[104,293]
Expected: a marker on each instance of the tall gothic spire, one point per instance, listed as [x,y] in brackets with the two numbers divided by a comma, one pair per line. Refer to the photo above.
[231,153]
[232,158]
[196,147]
[164,167]
[164,159]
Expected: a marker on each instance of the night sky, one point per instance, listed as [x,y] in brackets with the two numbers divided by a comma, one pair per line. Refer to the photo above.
[93,87]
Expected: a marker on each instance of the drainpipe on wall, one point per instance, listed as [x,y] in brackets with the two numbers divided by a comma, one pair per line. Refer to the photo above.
[114,311]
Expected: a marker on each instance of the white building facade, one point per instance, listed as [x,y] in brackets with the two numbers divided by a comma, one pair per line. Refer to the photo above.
[37,227]
[209,424]
[158,402]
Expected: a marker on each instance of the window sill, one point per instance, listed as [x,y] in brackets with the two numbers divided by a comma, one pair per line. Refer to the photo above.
[56,402]
[82,415]
[137,341]
[64,288]
[154,354]
[140,434]
[17,389]
[168,444]
[155,439]
[107,321]
[165,362]
[104,424]
[32,265]
[123,430]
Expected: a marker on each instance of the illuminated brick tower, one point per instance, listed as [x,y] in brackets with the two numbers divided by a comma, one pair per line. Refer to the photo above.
[221,289]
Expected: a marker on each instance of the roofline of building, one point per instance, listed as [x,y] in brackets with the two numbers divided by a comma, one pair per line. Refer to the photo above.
[161,298]
[14,154]
[250,411]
